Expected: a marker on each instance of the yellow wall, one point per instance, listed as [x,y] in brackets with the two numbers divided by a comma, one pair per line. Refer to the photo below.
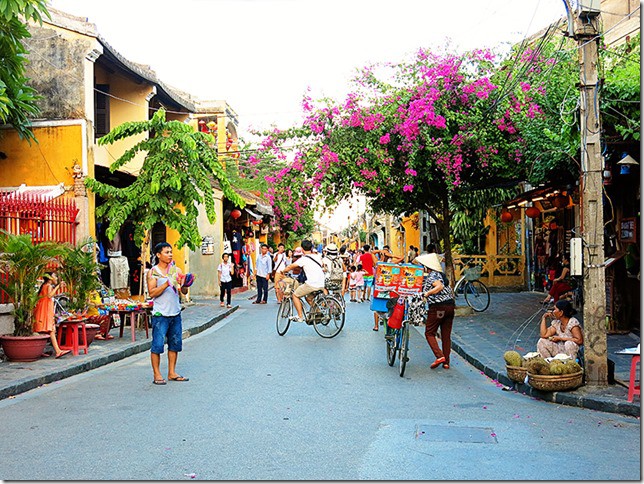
[179,255]
[412,234]
[48,162]
[121,112]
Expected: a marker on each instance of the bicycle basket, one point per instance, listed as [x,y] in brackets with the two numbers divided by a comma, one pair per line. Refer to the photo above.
[473,273]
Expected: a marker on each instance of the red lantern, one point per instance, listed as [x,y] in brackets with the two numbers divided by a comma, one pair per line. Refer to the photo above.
[236,213]
[506,216]
[560,201]
[257,222]
[553,226]
[533,212]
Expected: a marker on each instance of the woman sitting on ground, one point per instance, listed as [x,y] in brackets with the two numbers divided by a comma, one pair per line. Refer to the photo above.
[564,334]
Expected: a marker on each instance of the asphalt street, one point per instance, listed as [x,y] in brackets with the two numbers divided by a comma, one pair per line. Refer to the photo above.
[261,406]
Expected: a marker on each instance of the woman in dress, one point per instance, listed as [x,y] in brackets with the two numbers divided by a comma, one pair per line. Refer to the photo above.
[564,334]
[44,312]
[560,284]
[440,312]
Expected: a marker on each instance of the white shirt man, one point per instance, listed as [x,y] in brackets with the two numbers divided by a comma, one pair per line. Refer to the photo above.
[312,266]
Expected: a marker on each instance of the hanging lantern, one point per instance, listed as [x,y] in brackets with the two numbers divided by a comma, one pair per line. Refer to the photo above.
[257,222]
[533,212]
[506,216]
[236,213]
[560,201]
[553,226]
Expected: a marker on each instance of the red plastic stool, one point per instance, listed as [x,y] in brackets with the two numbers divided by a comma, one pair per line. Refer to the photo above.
[632,389]
[71,332]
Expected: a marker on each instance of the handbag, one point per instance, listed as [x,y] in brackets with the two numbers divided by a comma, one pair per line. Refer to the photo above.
[396,318]
[228,248]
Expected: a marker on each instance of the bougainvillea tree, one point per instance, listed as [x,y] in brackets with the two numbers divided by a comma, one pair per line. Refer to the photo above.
[410,136]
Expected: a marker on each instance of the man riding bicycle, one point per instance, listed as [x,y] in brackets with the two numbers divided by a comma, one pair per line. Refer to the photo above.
[311,264]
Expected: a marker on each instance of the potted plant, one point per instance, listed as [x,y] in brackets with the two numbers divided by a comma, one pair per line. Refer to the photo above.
[80,271]
[22,265]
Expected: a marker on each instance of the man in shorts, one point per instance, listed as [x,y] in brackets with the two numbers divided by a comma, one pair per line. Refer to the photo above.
[368,261]
[311,264]
[165,280]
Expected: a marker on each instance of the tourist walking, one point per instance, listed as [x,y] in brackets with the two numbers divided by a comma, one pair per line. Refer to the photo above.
[264,268]
[165,280]
[225,271]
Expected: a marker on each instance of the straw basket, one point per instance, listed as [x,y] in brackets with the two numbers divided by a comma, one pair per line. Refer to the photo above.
[516,373]
[556,383]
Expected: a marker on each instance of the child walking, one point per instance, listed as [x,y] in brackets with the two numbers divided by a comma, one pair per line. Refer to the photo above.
[44,312]
[226,270]
[360,287]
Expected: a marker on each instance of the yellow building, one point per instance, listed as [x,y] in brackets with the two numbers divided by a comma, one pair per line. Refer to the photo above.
[88,88]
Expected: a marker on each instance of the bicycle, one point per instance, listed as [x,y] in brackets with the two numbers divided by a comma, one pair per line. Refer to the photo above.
[326,312]
[477,295]
[397,339]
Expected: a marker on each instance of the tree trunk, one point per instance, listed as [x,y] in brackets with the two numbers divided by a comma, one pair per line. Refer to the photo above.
[447,244]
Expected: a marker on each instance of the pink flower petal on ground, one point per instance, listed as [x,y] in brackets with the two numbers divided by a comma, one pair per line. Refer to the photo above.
[493,434]
[492,332]
[484,407]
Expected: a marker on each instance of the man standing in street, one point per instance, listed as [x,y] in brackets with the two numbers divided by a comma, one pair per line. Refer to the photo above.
[165,280]
[279,262]
[264,268]
[368,261]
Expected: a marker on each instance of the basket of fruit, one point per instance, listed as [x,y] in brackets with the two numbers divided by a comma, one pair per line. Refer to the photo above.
[515,366]
[556,375]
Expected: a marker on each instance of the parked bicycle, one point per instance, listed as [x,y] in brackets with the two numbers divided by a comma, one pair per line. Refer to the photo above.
[61,303]
[326,312]
[477,295]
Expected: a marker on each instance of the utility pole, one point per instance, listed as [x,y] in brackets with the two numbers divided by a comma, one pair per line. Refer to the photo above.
[594,286]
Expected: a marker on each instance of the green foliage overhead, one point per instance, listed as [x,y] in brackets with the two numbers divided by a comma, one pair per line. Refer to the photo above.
[17,99]
[177,174]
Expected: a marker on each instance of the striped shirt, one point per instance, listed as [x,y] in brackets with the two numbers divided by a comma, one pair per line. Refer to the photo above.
[445,296]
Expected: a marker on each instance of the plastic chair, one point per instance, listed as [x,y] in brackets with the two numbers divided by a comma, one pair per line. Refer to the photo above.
[632,388]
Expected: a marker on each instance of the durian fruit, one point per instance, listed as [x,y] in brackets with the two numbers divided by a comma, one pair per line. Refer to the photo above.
[571,366]
[538,366]
[512,358]
[556,367]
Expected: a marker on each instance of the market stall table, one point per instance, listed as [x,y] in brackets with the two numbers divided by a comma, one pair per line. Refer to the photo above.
[133,314]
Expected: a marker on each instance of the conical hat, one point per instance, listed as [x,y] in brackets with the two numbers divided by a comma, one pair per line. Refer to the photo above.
[431,261]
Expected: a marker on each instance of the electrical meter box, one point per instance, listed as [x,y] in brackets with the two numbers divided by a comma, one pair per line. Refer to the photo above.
[576,257]
[588,8]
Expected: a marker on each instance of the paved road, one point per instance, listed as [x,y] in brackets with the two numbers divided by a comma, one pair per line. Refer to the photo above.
[260,406]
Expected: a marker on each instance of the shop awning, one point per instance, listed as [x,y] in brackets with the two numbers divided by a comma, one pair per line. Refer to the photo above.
[536,195]
[253,214]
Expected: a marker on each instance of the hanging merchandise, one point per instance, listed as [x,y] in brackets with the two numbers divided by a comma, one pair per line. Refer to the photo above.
[227,246]
[397,315]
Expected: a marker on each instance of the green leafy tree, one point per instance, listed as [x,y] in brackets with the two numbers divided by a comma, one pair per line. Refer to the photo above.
[175,178]
[17,99]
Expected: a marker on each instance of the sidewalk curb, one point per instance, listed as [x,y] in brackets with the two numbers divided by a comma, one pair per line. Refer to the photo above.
[26,384]
[564,398]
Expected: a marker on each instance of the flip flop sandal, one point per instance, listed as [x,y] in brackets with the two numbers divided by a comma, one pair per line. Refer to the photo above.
[63,353]
[179,378]
[160,382]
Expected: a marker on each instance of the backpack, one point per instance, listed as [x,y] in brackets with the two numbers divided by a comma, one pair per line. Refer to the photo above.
[333,281]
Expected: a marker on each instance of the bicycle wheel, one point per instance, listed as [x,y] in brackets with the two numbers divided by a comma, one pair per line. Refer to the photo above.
[404,347]
[477,295]
[391,345]
[328,319]
[284,316]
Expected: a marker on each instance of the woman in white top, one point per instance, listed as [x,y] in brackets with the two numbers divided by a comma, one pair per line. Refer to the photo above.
[225,270]
[564,334]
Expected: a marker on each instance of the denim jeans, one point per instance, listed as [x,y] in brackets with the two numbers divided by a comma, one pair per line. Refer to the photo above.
[262,288]
[166,327]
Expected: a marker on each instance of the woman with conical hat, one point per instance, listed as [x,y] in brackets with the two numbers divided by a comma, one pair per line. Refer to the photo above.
[440,312]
